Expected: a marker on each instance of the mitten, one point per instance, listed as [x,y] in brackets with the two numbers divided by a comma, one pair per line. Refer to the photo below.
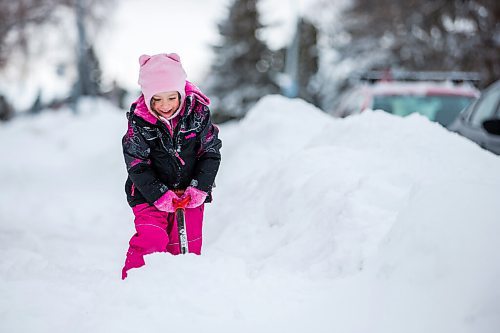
[165,203]
[197,197]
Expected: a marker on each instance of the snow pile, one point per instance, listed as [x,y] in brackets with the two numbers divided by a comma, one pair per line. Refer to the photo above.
[371,223]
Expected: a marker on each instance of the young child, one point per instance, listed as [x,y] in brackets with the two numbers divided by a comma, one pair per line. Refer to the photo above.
[171,152]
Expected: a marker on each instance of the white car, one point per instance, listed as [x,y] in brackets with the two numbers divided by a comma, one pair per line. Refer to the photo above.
[440,102]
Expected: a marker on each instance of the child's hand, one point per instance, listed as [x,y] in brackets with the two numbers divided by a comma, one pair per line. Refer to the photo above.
[165,203]
[197,197]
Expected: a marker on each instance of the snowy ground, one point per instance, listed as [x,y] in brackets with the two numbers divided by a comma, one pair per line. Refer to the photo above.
[366,224]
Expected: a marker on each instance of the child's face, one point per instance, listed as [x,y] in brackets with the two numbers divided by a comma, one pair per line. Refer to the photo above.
[165,103]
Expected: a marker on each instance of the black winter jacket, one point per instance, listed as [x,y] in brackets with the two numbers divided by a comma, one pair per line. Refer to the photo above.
[157,160]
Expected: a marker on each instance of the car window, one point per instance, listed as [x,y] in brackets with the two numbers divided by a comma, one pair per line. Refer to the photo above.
[441,108]
[486,107]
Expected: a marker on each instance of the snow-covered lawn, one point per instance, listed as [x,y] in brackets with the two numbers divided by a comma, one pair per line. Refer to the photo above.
[371,223]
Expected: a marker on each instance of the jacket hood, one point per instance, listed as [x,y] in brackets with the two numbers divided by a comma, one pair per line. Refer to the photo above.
[195,92]
[143,111]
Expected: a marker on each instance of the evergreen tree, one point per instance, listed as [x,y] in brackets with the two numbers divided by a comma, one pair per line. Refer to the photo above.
[242,71]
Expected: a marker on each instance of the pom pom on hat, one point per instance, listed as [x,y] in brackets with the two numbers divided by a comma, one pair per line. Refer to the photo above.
[161,73]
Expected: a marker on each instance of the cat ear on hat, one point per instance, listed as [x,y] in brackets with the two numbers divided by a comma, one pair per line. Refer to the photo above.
[144,59]
[174,56]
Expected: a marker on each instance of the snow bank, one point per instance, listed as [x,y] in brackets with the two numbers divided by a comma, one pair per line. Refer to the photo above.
[370,223]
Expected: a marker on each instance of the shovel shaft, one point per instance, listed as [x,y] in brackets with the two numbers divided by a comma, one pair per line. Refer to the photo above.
[181,227]
[180,216]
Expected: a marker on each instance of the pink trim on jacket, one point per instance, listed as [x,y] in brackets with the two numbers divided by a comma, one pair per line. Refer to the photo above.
[135,162]
[192,90]
[142,111]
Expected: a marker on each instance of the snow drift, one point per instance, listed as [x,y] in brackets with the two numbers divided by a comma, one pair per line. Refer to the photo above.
[371,223]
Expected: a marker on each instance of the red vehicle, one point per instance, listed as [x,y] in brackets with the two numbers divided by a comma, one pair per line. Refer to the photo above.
[440,102]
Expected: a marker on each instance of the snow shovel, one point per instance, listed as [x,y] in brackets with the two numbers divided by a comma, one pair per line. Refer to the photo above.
[180,206]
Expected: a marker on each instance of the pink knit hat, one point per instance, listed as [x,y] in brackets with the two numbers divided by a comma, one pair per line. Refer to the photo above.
[161,73]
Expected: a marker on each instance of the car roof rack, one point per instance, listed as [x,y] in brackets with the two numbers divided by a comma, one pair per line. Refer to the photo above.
[398,75]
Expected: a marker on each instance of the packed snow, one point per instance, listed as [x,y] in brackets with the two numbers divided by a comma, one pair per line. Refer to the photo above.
[371,223]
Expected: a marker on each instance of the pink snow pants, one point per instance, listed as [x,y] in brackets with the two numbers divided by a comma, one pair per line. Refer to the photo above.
[156,231]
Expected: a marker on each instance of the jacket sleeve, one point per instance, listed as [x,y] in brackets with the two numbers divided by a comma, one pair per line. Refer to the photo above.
[208,155]
[136,152]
